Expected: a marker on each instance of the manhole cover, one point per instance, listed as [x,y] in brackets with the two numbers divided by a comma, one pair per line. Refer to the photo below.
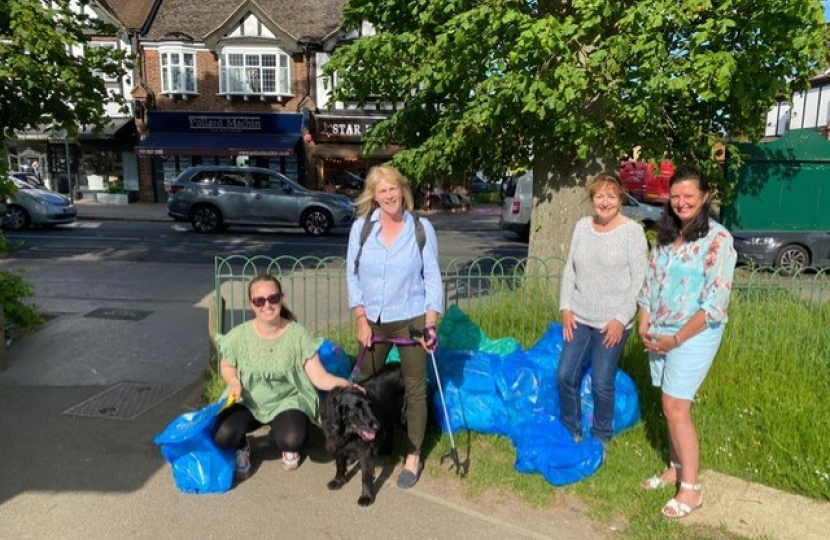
[124,401]
[118,314]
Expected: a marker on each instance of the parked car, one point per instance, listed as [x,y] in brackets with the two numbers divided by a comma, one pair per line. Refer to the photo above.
[349,180]
[212,198]
[479,185]
[29,178]
[35,206]
[516,208]
[790,251]
[646,213]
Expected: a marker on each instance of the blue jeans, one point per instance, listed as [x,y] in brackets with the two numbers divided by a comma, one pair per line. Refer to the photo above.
[573,363]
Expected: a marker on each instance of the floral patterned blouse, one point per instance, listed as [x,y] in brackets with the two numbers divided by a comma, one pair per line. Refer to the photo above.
[696,276]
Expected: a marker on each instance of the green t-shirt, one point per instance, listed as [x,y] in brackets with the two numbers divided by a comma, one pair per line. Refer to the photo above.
[272,370]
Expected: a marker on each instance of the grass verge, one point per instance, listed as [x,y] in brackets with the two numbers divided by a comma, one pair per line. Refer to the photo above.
[760,417]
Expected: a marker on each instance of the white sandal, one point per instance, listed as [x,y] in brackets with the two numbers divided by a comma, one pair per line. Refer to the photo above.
[657,482]
[676,510]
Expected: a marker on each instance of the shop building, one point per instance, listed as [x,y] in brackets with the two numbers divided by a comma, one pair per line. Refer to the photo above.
[230,83]
[91,160]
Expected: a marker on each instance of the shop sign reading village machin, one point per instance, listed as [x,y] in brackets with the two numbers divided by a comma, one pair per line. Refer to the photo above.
[225,123]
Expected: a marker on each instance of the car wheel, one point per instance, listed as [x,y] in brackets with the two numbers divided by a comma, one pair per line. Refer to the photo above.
[316,222]
[792,258]
[206,219]
[17,218]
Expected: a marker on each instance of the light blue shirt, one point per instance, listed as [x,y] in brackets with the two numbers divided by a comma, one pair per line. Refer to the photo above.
[390,284]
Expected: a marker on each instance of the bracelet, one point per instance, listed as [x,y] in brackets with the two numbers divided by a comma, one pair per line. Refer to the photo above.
[361,315]
[677,341]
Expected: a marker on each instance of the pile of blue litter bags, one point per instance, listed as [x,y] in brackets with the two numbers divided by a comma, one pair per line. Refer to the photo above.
[493,386]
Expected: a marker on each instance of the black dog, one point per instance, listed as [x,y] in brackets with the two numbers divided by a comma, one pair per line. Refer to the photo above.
[358,425]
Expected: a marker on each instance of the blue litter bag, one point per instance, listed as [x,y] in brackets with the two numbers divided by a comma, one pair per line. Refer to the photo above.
[472,398]
[544,445]
[335,359]
[198,465]
[458,332]
[626,403]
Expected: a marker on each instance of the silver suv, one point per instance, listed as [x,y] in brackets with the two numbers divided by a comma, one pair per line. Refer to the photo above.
[213,197]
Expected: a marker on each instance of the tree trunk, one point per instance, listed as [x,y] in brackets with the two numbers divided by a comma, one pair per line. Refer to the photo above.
[560,198]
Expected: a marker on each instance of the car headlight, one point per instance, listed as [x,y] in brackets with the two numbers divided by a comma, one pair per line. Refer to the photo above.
[758,241]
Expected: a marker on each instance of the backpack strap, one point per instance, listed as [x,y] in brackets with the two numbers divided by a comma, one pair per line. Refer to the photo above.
[364,235]
[420,237]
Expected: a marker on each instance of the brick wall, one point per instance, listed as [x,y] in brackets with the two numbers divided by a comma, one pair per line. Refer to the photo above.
[146,193]
[207,85]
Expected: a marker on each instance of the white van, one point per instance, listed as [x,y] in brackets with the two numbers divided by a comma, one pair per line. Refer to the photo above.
[517,206]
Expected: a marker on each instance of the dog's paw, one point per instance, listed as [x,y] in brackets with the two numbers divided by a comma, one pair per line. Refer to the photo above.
[337,483]
[365,500]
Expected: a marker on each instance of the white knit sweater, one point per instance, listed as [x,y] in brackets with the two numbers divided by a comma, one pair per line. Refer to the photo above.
[603,273]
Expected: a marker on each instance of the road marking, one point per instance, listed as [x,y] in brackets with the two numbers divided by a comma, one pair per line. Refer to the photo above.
[70,238]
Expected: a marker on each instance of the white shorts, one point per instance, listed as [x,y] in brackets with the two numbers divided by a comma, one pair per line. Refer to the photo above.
[680,372]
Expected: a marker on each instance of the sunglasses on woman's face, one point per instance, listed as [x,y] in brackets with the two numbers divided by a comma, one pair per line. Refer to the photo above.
[272,299]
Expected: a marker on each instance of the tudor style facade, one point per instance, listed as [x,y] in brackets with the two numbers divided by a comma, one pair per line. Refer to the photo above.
[229,82]
[91,161]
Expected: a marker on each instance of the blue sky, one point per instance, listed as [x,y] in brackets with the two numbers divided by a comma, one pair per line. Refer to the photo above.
[826,10]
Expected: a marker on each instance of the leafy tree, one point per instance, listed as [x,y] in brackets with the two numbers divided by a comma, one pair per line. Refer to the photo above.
[44,79]
[572,85]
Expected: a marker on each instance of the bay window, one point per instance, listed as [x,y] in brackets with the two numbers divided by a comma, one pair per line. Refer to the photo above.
[251,72]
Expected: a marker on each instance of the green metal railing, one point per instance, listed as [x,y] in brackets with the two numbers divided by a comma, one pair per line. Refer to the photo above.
[774,319]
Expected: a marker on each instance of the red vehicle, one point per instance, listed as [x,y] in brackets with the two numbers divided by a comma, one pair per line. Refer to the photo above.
[645,182]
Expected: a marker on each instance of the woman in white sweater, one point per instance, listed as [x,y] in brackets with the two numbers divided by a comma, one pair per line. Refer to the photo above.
[604,272]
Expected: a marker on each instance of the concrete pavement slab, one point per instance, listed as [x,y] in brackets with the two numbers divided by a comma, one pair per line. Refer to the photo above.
[76,478]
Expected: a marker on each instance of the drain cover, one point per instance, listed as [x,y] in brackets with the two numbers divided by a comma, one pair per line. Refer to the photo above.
[124,401]
[118,314]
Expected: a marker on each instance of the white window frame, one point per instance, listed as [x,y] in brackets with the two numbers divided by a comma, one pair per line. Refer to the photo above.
[170,71]
[246,71]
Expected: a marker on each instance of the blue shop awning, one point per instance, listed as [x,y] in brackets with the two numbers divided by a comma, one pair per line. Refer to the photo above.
[218,144]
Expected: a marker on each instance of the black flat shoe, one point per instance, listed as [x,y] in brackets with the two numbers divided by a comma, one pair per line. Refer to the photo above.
[407,478]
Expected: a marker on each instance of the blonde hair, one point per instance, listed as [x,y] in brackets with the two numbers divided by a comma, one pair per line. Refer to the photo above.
[604,181]
[366,200]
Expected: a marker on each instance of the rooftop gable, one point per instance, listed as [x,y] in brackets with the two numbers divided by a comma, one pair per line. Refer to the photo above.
[214,20]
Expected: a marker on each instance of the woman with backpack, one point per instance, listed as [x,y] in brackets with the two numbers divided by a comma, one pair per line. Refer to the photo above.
[394,284]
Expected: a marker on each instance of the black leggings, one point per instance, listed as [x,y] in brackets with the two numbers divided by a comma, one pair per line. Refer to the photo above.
[289,428]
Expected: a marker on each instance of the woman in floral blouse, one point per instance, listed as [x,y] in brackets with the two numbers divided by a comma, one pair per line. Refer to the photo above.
[682,316]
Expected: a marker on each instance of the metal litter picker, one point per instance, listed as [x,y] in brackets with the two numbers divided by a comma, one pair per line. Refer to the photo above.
[453,453]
